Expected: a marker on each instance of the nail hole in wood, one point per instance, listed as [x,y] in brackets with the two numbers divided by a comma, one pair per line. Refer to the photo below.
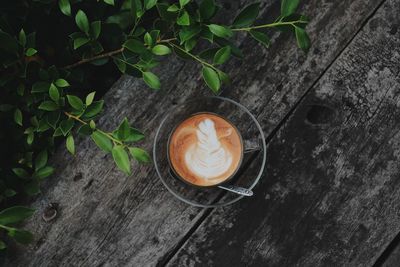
[319,115]
[50,212]
[78,177]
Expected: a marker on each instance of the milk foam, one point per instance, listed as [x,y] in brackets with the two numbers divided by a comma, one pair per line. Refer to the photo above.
[207,158]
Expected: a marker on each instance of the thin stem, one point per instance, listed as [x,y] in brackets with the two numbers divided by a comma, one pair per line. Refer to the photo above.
[130,64]
[69,115]
[86,60]
[5,227]
[108,54]
[271,25]
[166,40]
[135,25]
[104,55]
[193,56]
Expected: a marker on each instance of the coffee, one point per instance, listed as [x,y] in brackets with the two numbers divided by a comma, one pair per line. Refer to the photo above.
[205,149]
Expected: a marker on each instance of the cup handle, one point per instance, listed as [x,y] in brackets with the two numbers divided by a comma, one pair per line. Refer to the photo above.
[251,146]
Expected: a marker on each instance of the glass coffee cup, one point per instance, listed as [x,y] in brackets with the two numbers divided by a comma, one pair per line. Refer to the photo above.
[205,150]
[245,175]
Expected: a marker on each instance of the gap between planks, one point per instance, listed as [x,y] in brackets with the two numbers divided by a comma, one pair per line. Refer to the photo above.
[169,255]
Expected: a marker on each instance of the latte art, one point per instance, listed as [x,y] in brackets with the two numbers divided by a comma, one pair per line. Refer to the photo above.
[208,158]
[205,149]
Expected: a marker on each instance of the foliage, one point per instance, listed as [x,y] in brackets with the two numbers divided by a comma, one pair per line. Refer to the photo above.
[50,52]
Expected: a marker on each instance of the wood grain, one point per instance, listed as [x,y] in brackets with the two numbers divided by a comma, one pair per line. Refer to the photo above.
[107,218]
[393,256]
[331,193]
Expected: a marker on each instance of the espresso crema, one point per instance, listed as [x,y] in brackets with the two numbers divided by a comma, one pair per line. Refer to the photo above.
[205,149]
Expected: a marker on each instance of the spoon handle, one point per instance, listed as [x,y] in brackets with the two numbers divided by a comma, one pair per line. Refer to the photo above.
[237,189]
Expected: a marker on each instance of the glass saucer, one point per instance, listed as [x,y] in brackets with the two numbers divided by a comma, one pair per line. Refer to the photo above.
[254,156]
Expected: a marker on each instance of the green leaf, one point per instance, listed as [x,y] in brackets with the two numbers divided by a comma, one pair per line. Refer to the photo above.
[135,46]
[109,2]
[9,192]
[2,245]
[22,37]
[209,53]
[220,31]
[15,214]
[223,77]
[29,138]
[70,144]
[211,78]
[48,106]
[161,50]
[18,117]
[222,55]
[92,125]
[123,130]
[190,44]
[21,173]
[44,172]
[102,141]
[151,80]
[75,102]
[260,37]
[247,16]
[40,87]
[155,35]
[52,119]
[89,98]
[32,188]
[78,42]
[173,8]
[21,236]
[41,160]
[139,154]
[148,40]
[21,89]
[149,3]
[136,8]
[57,132]
[183,3]
[120,65]
[65,7]
[303,41]
[121,158]
[53,92]
[184,19]
[134,135]
[288,7]
[82,21]
[94,109]
[84,130]
[66,126]
[95,29]
[30,52]
[188,33]
[207,9]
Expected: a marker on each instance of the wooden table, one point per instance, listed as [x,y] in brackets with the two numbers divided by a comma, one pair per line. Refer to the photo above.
[330,195]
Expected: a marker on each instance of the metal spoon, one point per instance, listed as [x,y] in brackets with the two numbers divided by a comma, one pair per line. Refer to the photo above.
[237,189]
[231,188]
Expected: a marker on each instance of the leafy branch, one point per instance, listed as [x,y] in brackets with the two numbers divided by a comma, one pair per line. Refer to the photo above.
[42,103]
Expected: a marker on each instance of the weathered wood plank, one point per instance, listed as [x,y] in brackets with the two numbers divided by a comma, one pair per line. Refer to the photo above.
[107,218]
[393,256]
[331,194]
